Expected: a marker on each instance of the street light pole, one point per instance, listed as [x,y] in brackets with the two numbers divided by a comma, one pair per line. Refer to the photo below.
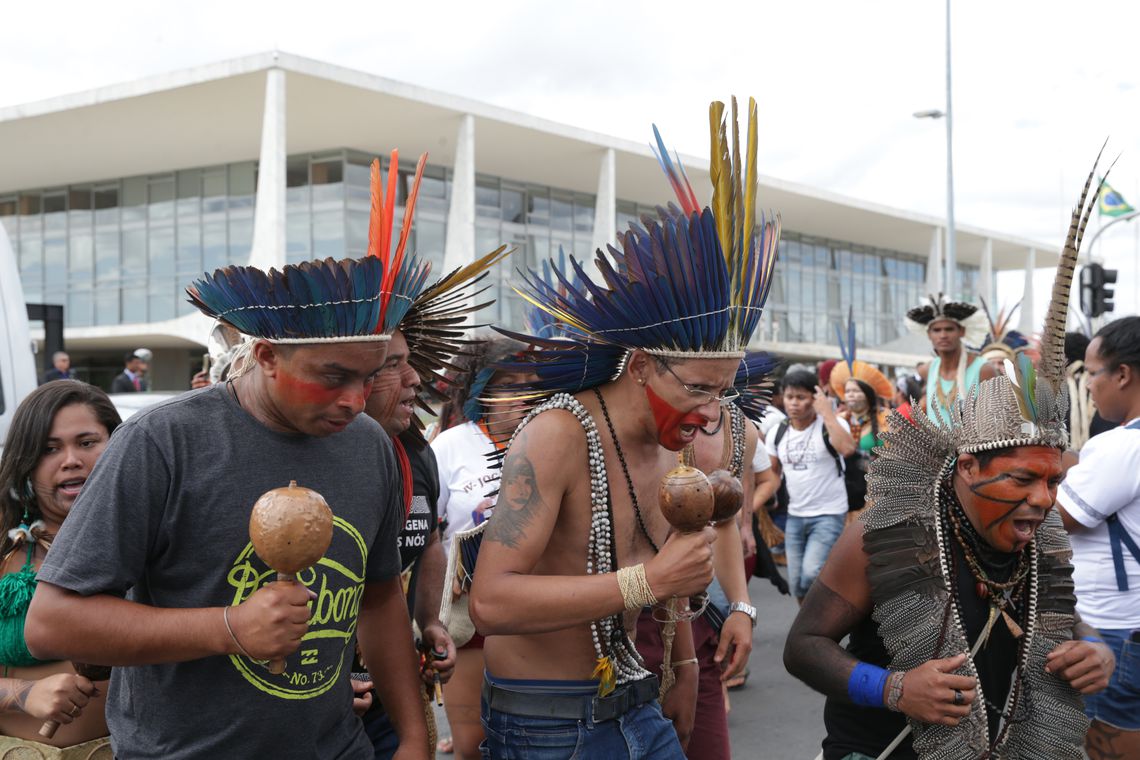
[951,251]
[951,257]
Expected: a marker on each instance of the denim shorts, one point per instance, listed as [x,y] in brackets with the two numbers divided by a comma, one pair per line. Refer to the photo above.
[1119,705]
[643,732]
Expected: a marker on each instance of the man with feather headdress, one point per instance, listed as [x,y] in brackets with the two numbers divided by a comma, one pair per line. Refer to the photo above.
[650,356]
[954,372]
[956,586]
[164,522]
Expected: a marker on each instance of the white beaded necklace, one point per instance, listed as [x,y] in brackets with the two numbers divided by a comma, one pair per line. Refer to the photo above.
[612,645]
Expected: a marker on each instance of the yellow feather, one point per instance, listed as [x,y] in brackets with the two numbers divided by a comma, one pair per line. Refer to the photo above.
[720,172]
[469,272]
[604,672]
[737,194]
[751,179]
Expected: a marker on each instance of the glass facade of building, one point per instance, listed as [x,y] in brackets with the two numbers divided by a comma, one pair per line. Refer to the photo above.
[122,251]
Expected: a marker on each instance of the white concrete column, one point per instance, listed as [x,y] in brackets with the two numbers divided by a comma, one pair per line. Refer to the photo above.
[268,248]
[934,263]
[1025,323]
[605,210]
[459,248]
[986,273]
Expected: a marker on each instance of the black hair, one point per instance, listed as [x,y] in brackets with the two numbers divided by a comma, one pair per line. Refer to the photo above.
[985,457]
[1075,346]
[467,366]
[873,403]
[28,436]
[1120,342]
[802,379]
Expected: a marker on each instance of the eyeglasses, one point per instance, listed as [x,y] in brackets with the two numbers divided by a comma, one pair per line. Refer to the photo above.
[726,396]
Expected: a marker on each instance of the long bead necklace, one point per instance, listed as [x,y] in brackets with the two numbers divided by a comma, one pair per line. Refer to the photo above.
[998,593]
[625,471]
[618,661]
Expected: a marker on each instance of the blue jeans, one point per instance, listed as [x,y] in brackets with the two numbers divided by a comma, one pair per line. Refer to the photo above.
[380,730]
[808,541]
[1119,705]
[643,732]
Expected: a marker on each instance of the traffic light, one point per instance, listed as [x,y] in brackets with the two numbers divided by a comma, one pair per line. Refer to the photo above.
[1096,297]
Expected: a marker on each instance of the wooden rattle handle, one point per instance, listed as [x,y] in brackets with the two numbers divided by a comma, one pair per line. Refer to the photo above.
[48,729]
[277,666]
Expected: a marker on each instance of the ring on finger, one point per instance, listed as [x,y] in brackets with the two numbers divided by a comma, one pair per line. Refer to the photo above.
[74,711]
[959,698]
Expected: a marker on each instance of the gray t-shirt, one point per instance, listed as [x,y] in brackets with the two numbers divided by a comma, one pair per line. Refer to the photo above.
[164,521]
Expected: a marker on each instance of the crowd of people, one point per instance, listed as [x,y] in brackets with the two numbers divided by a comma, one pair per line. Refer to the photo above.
[527,527]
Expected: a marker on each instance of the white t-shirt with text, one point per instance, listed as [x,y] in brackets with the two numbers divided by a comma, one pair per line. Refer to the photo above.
[465,476]
[815,486]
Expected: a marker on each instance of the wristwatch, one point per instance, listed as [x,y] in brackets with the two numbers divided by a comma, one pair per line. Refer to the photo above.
[746,608]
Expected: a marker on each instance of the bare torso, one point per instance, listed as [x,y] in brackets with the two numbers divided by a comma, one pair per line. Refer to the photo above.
[569,654]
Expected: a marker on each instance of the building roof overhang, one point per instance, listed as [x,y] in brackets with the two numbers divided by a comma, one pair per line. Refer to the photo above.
[212,114]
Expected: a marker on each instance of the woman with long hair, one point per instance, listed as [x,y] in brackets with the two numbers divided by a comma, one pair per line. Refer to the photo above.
[57,434]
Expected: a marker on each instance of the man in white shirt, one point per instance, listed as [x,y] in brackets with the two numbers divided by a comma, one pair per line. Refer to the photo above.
[1099,502]
[812,467]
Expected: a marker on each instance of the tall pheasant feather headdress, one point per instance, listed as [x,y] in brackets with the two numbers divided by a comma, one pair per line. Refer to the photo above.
[1002,341]
[906,483]
[325,301]
[689,284]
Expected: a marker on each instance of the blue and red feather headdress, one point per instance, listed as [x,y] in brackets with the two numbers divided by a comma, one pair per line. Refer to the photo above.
[689,284]
[326,301]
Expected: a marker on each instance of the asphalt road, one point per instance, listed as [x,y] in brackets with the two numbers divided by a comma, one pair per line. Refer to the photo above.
[773,716]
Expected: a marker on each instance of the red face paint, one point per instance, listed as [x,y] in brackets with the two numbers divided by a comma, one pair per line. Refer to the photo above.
[1012,495]
[293,390]
[669,422]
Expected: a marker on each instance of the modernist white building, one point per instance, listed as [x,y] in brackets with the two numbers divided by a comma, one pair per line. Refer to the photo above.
[116,198]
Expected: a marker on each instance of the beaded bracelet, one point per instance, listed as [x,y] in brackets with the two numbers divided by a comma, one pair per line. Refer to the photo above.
[894,690]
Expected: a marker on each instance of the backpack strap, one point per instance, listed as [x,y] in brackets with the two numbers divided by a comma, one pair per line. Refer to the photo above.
[1119,539]
[831,450]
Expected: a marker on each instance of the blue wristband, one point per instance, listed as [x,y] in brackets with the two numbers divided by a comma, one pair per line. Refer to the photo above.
[1092,639]
[865,686]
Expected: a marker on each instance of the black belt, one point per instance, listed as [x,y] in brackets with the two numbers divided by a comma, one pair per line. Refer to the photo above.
[585,707]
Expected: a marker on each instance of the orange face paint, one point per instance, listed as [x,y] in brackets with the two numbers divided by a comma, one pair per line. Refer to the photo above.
[1012,494]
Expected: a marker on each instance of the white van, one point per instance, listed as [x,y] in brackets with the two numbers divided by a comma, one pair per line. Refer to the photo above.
[17,357]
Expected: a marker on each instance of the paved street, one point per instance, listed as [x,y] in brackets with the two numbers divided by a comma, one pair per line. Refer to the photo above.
[774,717]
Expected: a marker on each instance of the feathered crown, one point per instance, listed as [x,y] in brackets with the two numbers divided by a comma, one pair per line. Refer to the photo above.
[689,284]
[753,382]
[851,367]
[325,301]
[538,321]
[938,308]
[1029,406]
[1002,340]
[435,326]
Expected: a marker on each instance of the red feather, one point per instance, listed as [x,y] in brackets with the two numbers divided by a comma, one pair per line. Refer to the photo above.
[376,216]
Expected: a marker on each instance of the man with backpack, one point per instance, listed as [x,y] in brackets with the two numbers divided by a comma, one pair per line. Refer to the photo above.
[807,450]
[1099,502]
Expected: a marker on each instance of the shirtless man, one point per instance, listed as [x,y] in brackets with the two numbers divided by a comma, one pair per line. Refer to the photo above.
[954,372]
[653,354]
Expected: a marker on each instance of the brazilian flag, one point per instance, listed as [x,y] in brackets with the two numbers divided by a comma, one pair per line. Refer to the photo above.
[1112,203]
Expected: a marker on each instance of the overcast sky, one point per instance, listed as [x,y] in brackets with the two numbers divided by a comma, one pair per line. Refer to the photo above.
[1038,85]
